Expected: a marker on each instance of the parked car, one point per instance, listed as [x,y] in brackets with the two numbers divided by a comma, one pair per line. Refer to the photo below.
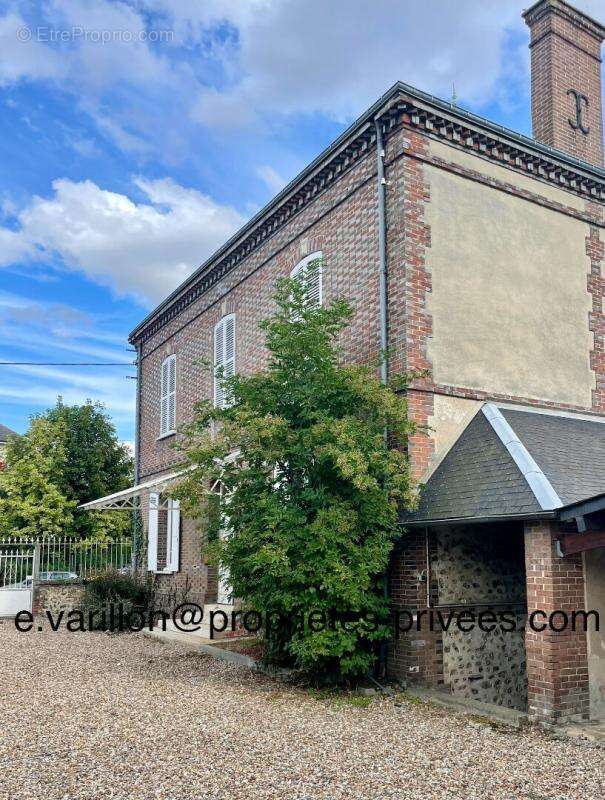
[46,577]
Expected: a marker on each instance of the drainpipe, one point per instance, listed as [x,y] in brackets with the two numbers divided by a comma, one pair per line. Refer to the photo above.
[137,464]
[382,248]
[384,331]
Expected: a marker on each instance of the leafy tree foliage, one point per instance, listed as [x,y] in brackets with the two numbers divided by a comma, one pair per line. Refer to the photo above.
[31,501]
[96,464]
[69,455]
[310,499]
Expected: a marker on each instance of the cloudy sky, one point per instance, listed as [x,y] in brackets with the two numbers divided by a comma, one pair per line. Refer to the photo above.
[135,137]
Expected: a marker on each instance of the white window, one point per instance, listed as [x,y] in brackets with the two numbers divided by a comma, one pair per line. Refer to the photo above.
[168,396]
[164,534]
[224,356]
[309,272]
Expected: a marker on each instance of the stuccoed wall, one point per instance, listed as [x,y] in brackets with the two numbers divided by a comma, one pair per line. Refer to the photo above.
[509,301]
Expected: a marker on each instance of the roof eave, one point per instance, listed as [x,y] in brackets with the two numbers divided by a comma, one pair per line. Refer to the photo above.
[399,89]
[423,523]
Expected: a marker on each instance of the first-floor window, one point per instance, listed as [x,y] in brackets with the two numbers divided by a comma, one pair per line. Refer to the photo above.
[168,396]
[309,271]
[164,534]
[224,358]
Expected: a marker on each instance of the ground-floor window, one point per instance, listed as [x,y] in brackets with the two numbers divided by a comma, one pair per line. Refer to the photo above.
[164,534]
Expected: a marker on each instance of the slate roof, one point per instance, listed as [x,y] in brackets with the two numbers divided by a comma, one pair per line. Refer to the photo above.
[515,463]
[570,451]
[5,433]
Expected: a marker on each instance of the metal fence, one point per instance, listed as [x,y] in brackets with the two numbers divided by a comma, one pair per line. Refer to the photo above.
[15,565]
[62,558]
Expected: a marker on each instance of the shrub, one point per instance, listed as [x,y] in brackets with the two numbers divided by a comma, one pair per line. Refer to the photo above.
[310,489]
[111,588]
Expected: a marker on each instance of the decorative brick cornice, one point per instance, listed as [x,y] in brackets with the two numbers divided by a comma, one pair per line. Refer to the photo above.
[401,106]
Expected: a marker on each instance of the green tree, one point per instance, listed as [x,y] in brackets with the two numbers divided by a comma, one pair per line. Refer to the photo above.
[311,499]
[69,455]
[32,503]
[96,464]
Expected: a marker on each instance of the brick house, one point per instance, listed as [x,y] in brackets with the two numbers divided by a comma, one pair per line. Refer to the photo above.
[491,257]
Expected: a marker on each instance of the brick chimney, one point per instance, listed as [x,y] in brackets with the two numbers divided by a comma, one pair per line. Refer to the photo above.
[566,79]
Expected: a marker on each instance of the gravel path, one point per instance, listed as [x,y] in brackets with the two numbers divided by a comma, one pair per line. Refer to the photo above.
[96,716]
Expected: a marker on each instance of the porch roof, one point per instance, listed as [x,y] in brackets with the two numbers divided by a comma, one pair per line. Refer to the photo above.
[124,500]
[515,463]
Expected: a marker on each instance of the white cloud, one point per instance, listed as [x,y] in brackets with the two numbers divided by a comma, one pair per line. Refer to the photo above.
[237,63]
[336,58]
[21,56]
[143,248]
[271,177]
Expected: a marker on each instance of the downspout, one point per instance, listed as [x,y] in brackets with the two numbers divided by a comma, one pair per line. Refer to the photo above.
[384,330]
[382,249]
[137,465]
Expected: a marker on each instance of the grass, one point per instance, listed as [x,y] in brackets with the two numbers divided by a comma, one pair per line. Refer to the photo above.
[339,698]
[404,697]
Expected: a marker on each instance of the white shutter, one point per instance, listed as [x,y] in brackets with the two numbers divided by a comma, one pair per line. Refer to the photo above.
[229,351]
[164,399]
[219,358]
[168,396]
[172,393]
[174,535]
[224,356]
[152,532]
[313,280]
[309,272]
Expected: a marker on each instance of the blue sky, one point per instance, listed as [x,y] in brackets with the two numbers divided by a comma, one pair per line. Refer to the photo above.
[135,137]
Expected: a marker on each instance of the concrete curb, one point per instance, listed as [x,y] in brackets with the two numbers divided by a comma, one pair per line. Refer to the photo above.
[231,656]
[494,713]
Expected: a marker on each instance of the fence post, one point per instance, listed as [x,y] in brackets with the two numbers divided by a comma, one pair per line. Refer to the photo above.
[35,575]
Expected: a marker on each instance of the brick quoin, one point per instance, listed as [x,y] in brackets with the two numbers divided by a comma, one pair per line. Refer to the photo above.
[557,666]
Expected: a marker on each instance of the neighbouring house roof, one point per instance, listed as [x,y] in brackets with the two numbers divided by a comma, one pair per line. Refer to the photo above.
[5,433]
[515,463]
[430,115]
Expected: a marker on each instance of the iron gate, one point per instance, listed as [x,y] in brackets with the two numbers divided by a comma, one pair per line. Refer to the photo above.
[17,569]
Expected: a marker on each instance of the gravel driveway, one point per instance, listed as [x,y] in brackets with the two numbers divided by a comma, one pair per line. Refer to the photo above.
[98,716]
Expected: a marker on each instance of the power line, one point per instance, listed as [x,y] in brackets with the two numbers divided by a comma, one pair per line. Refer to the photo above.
[65,364]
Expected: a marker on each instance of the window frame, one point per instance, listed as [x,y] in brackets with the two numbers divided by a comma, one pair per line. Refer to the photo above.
[166,394]
[173,534]
[220,400]
[303,264]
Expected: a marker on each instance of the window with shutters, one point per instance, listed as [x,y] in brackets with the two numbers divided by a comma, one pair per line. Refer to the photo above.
[309,271]
[168,396]
[163,534]
[224,358]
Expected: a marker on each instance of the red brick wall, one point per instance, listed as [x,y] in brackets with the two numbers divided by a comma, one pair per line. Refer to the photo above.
[557,665]
[196,581]
[565,54]
[342,223]
[414,656]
